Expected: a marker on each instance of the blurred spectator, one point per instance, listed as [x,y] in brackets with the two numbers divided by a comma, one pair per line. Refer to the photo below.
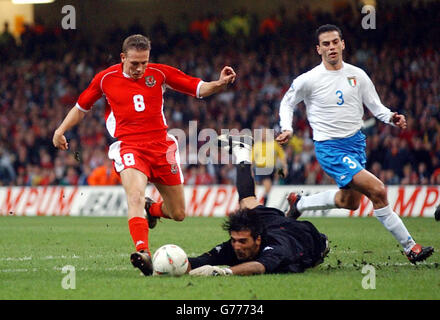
[421,154]
[71,178]
[435,177]
[7,172]
[190,176]
[296,171]
[391,178]
[228,174]
[8,46]
[6,38]
[270,25]
[313,172]
[297,142]
[202,27]
[203,177]
[85,173]
[104,175]
[238,25]
[397,156]
[267,156]
[409,175]
[423,175]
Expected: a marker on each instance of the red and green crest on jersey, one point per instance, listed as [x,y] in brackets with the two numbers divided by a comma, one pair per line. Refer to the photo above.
[352,81]
[150,81]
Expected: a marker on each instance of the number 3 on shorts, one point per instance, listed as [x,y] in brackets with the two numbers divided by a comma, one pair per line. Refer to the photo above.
[128,159]
[351,163]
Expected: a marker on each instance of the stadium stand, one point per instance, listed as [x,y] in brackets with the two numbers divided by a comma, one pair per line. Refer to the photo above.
[42,74]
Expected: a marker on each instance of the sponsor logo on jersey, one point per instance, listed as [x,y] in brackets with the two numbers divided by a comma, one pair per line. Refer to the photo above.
[352,81]
[150,81]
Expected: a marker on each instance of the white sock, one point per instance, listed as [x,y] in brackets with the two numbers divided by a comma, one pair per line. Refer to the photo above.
[241,154]
[394,224]
[319,201]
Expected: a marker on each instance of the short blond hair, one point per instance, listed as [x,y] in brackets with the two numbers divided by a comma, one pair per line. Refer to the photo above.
[137,42]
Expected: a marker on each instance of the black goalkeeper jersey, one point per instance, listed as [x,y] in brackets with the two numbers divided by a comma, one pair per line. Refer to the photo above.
[287,245]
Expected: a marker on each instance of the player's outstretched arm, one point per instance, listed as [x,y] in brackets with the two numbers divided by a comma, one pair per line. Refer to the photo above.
[73,117]
[227,76]
[248,268]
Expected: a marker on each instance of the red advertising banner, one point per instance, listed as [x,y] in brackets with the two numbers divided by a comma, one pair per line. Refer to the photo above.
[216,200]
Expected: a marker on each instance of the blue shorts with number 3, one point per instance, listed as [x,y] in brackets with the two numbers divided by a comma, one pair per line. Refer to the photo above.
[342,158]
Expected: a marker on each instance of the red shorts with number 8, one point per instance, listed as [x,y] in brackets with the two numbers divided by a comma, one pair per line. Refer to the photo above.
[157,159]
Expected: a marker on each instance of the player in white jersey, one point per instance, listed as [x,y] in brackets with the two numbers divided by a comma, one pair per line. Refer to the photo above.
[334,93]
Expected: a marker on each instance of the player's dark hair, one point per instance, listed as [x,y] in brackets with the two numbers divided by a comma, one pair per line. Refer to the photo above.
[244,219]
[137,42]
[327,28]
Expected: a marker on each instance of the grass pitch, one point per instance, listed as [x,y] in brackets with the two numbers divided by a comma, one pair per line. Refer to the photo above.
[34,251]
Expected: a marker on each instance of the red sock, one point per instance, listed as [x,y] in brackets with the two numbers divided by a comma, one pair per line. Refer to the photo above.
[139,233]
[156,210]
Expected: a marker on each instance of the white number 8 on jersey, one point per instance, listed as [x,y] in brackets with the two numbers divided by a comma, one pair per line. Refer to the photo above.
[138,101]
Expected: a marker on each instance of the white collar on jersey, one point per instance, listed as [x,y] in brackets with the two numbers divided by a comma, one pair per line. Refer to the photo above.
[334,71]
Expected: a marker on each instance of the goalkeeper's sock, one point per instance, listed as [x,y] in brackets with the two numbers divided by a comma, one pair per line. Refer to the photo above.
[392,222]
[139,233]
[319,201]
[155,210]
[245,181]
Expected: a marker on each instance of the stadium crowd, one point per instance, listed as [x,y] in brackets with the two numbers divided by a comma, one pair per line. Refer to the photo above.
[43,73]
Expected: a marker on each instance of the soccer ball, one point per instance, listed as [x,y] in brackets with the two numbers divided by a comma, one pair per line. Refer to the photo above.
[170,260]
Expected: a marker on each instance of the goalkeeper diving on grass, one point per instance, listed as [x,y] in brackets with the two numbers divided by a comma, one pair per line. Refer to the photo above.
[262,239]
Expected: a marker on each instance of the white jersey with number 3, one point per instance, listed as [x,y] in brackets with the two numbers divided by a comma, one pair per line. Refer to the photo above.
[334,101]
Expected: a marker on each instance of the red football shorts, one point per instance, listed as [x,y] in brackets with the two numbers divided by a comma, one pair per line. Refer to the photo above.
[158,159]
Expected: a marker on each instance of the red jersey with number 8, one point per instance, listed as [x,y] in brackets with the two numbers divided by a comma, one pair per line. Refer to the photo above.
[134,110]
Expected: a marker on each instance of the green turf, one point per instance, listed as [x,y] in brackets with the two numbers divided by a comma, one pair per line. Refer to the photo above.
[35,249]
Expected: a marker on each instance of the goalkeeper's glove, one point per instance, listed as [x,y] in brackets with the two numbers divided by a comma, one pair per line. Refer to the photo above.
[208,270]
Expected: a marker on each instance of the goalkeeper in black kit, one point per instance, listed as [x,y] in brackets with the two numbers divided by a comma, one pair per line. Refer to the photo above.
[262,239]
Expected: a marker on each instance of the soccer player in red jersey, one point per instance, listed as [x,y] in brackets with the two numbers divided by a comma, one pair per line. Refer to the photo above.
[143,151]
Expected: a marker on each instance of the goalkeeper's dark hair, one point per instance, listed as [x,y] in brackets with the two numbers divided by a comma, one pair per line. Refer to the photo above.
[242,220]
[137,42]
[327,28]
